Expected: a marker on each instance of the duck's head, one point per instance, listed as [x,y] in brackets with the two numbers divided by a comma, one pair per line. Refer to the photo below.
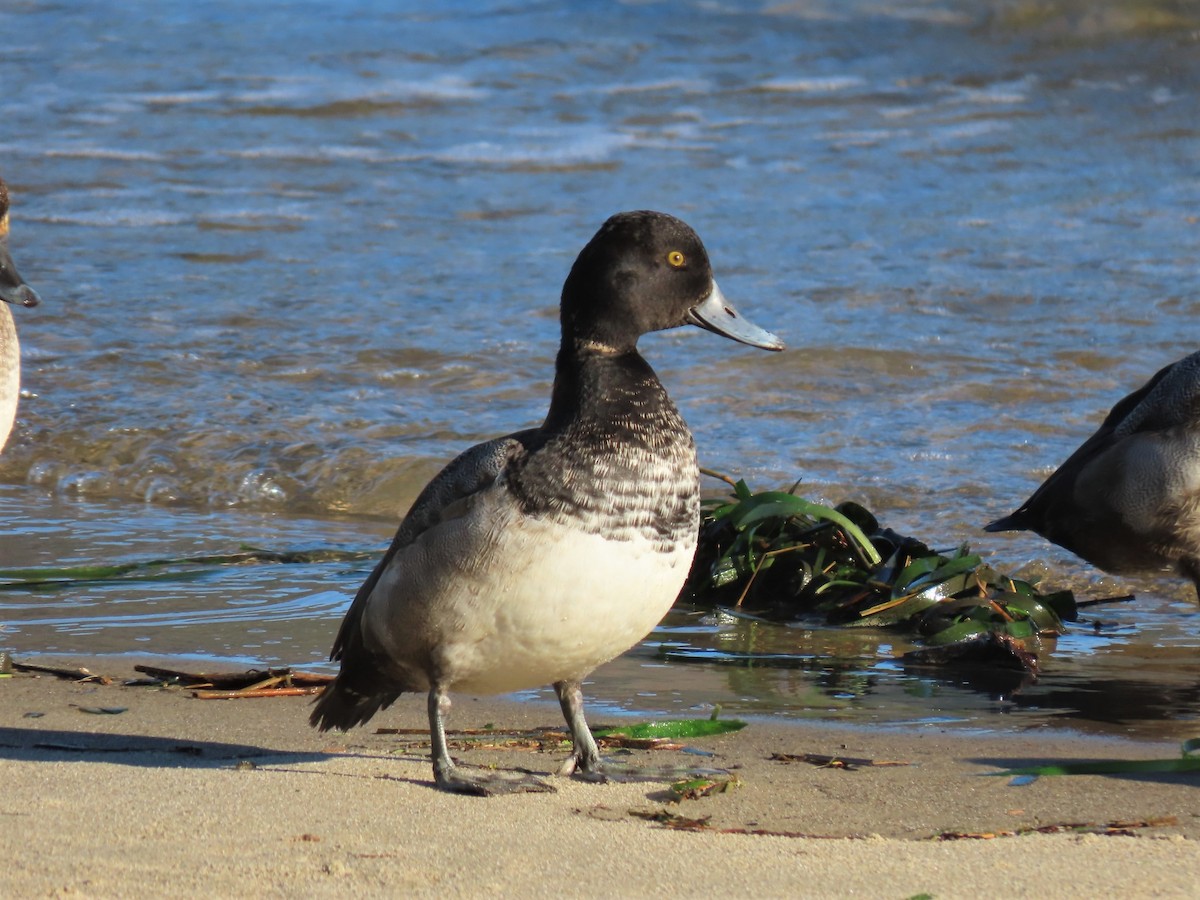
[13,288]
[647,271]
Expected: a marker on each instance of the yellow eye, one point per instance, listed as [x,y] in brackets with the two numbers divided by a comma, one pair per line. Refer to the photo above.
[675,259]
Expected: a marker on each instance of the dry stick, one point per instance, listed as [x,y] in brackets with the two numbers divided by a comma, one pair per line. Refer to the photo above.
[232,678]
[60,672]
[271,682]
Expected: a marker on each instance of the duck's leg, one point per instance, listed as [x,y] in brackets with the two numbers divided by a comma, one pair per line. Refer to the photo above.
[584,761]
[585,755]
[450,777]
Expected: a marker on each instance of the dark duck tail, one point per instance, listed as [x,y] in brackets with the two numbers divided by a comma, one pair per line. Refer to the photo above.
[348,702]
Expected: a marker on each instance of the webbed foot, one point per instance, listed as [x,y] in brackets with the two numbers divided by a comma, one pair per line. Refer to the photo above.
[490,782]
[479,782]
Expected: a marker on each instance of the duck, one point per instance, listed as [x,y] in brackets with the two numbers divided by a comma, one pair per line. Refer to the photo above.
[533,558]
[13,291]
[1128,499]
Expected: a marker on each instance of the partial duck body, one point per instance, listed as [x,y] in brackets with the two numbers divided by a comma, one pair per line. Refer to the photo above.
[13,291]
[1128,500]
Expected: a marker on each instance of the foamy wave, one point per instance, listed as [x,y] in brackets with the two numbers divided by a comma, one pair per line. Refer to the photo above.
[966,130]
[548,149]
[322,153]
[121,218]
[176,98]
[674,85]
[92,152]
[843,11]
[1006,93]
[259,215]
[314,93]
[816,85]
[221,471]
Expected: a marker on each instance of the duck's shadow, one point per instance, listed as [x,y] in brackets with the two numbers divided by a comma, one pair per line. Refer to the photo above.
[44,745]
[47,745]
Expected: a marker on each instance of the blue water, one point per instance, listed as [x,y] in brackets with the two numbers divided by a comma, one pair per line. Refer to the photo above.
[295,255]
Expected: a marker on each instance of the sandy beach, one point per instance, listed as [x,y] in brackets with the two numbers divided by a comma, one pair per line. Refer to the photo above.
[176,796]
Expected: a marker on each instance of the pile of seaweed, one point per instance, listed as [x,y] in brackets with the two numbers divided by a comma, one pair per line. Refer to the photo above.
[777,556]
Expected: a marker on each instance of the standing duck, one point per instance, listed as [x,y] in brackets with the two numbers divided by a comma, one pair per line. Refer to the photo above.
[533,558]
[1128,500]
[12,290]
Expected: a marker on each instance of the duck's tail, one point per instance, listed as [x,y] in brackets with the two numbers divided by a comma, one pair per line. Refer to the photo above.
[1017,521]
[345,703]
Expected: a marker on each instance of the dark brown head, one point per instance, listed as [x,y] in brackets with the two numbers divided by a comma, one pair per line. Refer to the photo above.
[647,271]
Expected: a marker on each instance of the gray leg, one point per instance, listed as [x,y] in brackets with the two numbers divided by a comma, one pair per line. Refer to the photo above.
[450,777]
[584,761]
[443,765]
[585,755]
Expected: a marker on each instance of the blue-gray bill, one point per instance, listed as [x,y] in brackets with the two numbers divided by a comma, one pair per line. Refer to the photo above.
[716,314]
[13,288]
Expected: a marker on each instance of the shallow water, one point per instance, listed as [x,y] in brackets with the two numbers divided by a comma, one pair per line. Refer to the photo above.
[292,256]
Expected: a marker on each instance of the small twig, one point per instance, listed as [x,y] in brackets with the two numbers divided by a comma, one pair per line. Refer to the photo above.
[712,473]
[1000,610]
[250,693]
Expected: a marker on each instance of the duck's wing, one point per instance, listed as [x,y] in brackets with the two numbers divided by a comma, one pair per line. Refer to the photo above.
[1170,399]
[446,497]
[1159,403]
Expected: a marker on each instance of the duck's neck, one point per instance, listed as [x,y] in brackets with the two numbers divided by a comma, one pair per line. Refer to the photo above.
[10,371]
[597,384]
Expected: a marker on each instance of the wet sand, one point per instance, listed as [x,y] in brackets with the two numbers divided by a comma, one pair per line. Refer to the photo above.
[177,796]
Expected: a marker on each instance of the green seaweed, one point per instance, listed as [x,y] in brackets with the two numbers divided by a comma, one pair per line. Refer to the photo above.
[776,555]
[672,728]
